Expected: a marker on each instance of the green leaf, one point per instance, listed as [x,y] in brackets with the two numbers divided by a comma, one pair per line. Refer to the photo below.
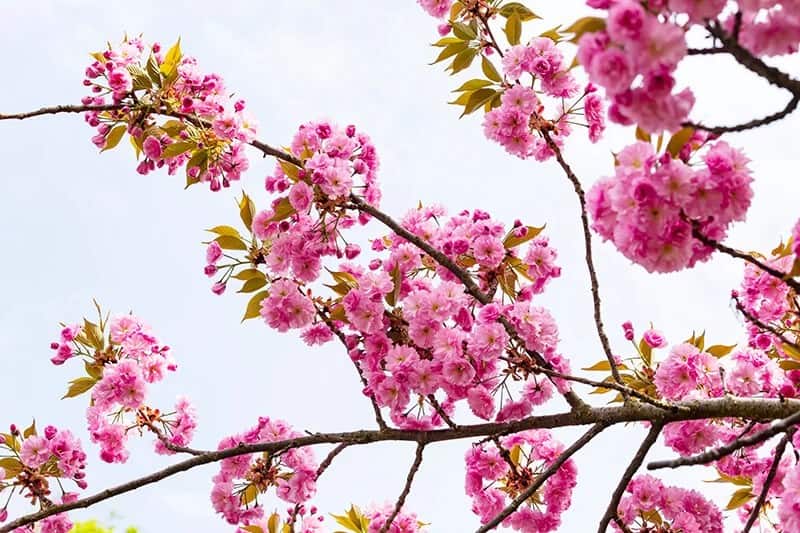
[173,128]
[141,80]
[472,85]
[790,350]
[247,210]
[397,280]
[248,495]
[512,241]
[514,454]
[520,10]
[254,305]
[30,430]
[153,70]
[283,209]
[177,148]
[114,137]
[169,68]
[720,350]
[513,28]
[225,230]
[11,465]
[646,352]
[252,285]
[199,160]
[290,169]
[642,135]
[463,32]
[788,364]
[93,370]
[585,25]
[444,41]
[489,70]
[477,99]
[677,141]
[249,273]
[255,529]
[93,335]
[555,35]
[739,498]
[79,386]
[463,60]
[603,365]
[229,242]
[451,50]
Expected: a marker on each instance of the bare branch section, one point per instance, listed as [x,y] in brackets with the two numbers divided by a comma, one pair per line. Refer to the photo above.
[722,451]
[791,105]
[401,500]
[587,243]
[775,273]
[541,478]
[762,497]
[747,408]
[323,466]
[729,44]
[636,462]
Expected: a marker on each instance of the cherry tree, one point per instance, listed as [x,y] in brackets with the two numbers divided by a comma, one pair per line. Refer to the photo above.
[440,312]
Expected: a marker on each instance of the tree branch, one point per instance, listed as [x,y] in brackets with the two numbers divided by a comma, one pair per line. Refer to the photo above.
[708,241]
[323,466]
[401,500]
[767,483]
[541,478]
[729,407]
[587,243]
[718,453]
[636,462]
[791,105]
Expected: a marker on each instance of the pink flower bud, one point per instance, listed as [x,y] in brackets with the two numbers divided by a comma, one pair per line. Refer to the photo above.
[351,251]
[654,338]
[443,29]
[218,288]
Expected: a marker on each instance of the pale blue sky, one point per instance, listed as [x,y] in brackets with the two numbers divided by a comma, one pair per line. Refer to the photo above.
[77,225]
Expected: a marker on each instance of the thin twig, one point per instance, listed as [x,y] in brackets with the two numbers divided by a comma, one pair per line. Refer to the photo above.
[791,105]
[762,325]
[767,483]
[634,465]
[587,243]
[541,478]
[339,335]
[718,453]
[330,457]
[708,241]
[401,500]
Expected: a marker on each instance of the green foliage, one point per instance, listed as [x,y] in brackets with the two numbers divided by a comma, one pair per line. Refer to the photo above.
[92,526]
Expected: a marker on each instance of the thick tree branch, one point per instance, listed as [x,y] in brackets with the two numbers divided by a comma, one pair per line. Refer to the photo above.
[541,478]
[762,497]
[636,462]
[718,453]
[401,500]
[748,408]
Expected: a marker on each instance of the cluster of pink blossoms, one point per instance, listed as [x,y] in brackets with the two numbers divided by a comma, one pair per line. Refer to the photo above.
[648,207]
[436,8]
[207,132]
[404,522]
[33,461]
[122,368]
[304,222]
[433,336]
[514,124]
[769,300]
[684,510]
[492,483]
[768,27]
[243,478]
[634,59]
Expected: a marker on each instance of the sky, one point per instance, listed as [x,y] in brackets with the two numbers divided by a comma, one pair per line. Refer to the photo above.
[75,225]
